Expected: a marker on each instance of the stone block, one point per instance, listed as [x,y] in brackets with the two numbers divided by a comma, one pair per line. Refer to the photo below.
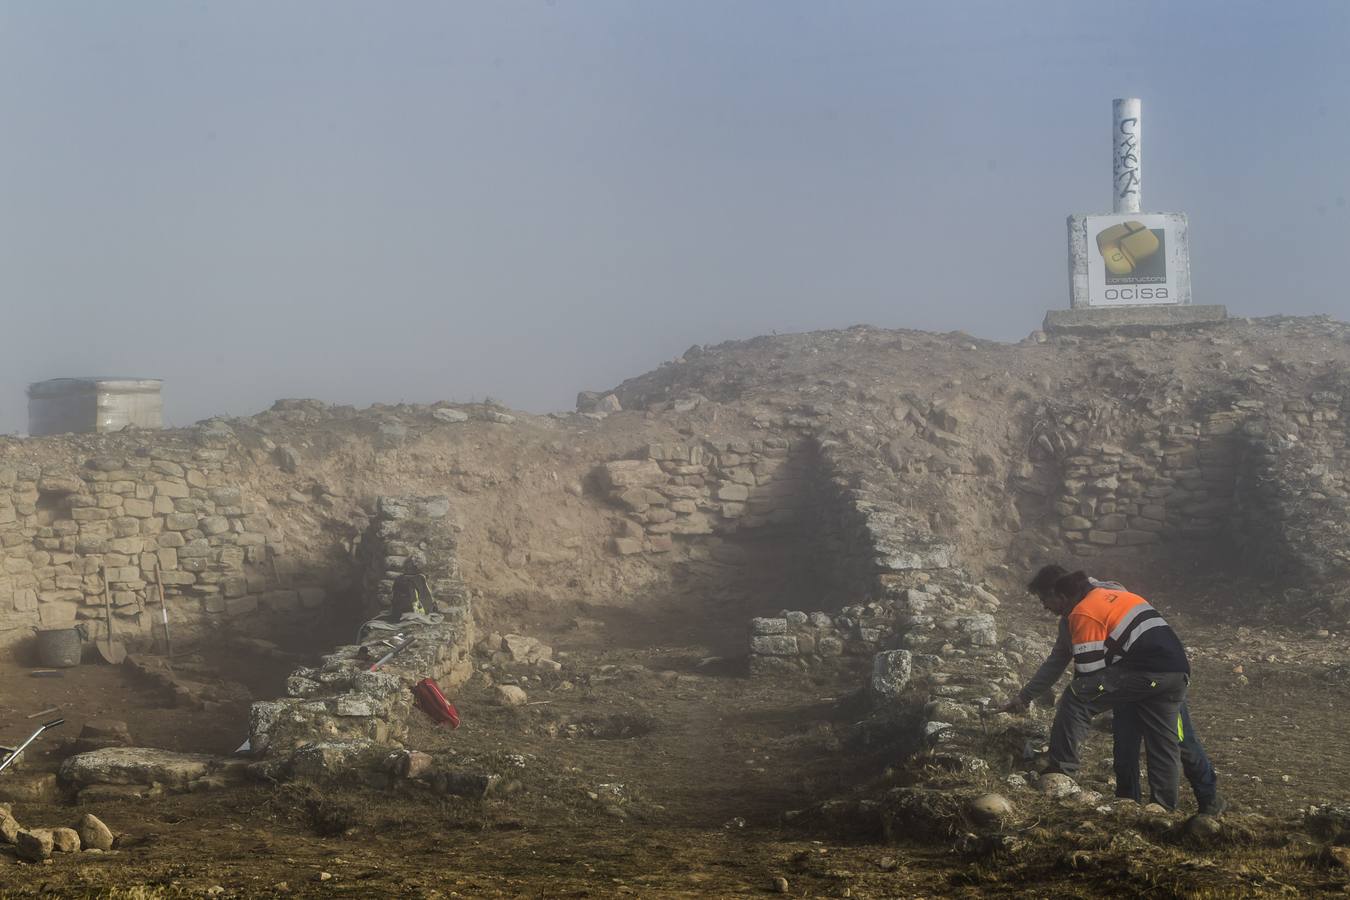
[979,629]
[630,473]
[94,835]
[915,556]
[694,524]
[762,625]
[356,705]
[734,492]
[1131,319]
[172,489]
[1103,538]
[199,548]
[34,845]
[623,546]
[774,665]
[774,644]
[211,525]
[1113,522]
[829,645]
[180,522]
[658,515]
[891,672]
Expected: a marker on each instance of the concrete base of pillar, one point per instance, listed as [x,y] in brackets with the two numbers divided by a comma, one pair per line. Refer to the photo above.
[1131,319]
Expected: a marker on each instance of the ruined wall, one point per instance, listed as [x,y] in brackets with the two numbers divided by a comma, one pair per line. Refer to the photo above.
[1294,498]
[1170,481]
[875,550]
[182,507]
[704,488]
[1261,481]
[337,713]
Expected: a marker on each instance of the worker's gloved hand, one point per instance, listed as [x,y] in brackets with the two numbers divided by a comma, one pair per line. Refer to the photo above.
[1016,705]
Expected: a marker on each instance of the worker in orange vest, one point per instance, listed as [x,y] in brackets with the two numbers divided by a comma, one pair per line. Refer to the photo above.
[1124,653]
[1126,736]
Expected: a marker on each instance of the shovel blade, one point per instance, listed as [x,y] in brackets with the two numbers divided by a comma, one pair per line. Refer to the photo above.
[111,652]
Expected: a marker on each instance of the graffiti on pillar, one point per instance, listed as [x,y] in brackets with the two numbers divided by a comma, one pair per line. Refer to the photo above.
[1127,158]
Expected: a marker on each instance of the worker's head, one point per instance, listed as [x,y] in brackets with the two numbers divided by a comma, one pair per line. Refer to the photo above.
[1069,590]
[1043,584]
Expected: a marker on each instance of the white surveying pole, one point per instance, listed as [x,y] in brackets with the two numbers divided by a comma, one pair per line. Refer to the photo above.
[1125,150]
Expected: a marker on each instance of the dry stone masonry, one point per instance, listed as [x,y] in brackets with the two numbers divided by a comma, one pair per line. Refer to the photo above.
[703,488]
[337,715]
[168,507]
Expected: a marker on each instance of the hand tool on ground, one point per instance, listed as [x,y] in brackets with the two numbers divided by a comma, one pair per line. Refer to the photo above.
[407,642]
[164,614]
[43,712]
[12,754]
[109,650]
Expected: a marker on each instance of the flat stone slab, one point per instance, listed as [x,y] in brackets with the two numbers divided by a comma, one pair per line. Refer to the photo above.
[142,765]
[1131,319]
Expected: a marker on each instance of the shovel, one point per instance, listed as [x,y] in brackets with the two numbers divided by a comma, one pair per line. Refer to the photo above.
[9,754]
[164,614]
[109,650]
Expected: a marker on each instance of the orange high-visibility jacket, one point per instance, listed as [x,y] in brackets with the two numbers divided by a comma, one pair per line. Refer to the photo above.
[1105,625]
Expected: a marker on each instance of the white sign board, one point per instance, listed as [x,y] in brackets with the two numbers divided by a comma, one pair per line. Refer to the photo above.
[1129,259]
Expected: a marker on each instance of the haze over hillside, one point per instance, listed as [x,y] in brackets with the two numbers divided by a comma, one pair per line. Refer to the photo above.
[429,200]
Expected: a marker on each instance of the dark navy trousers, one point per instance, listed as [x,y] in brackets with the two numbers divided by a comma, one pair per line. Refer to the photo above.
[1127,737]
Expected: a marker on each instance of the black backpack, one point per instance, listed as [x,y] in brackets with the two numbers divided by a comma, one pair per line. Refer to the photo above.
[412,594]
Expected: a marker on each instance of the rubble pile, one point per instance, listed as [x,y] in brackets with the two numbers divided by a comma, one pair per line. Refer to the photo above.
[89,834]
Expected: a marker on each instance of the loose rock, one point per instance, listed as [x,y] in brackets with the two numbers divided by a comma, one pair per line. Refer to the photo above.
[9,828]
[510,695]
[1057,784]
[990,809]
[94,835]
[65,840]
[35,845]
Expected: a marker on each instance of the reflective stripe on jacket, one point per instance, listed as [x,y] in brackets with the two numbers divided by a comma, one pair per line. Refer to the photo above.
[1105,625]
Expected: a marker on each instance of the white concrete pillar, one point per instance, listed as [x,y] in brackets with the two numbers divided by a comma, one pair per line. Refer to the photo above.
[1125,150]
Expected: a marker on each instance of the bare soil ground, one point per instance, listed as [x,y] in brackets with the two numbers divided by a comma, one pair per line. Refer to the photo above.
[638,771]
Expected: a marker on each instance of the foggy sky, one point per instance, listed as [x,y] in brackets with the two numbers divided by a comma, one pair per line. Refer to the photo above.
[387,201]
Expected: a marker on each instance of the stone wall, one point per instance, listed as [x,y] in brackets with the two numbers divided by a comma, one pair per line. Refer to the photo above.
[336,714]
[176,506]
[1261,478]
[410,530]
[1294,496]
[1172,481]
[874,552]
[704,488]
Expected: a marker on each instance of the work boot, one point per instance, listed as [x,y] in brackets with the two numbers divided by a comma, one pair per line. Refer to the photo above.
[1213,806]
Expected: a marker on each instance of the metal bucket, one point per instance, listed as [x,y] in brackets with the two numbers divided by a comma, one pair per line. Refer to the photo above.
[58,647]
